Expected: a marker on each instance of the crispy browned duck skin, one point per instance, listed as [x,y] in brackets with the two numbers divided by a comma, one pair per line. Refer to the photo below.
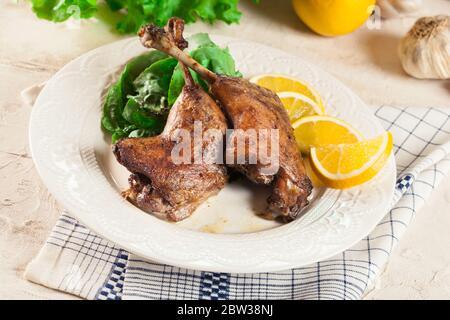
[249,106]
[158,185]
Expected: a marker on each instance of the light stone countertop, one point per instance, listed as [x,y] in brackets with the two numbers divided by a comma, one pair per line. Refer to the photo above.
[32,50]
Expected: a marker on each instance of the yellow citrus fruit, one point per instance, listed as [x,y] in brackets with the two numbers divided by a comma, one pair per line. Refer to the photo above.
[343,166]
[333,17]
[315,131]
[298,105]
[280,83]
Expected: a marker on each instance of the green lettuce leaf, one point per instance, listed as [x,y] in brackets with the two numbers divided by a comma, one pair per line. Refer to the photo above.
[159,12]
[209,55]
[134,13]
[61,10]
[137,104]
[116,97]
[142,119]
[152,86]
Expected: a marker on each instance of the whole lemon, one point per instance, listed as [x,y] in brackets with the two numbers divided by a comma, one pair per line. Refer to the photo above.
[333,17]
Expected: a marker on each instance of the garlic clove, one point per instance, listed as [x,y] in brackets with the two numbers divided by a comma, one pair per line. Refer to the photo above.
[425,50]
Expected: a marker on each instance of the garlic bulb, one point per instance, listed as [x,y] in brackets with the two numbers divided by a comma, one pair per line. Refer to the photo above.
[398,8]
[425,50]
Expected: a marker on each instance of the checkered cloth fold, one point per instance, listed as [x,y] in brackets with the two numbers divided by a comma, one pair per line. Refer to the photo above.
[77,261]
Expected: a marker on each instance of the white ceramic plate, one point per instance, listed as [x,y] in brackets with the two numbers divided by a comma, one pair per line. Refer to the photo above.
[74,159]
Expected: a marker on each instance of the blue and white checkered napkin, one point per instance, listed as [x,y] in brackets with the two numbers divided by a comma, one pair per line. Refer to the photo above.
[77,261]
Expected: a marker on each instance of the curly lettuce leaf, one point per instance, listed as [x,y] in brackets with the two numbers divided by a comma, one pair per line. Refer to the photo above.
[137,13]
[61,10]
[132,14]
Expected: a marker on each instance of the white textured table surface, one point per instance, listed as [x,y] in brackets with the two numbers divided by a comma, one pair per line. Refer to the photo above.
[31,50]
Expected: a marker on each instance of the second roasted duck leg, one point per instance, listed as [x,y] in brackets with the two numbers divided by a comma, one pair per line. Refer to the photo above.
[251,107]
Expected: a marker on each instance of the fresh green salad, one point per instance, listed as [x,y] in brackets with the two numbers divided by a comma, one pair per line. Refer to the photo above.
[138,103]
[129,15]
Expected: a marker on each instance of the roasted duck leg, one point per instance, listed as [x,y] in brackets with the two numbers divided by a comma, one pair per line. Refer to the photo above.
[249,106]
[159,184]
